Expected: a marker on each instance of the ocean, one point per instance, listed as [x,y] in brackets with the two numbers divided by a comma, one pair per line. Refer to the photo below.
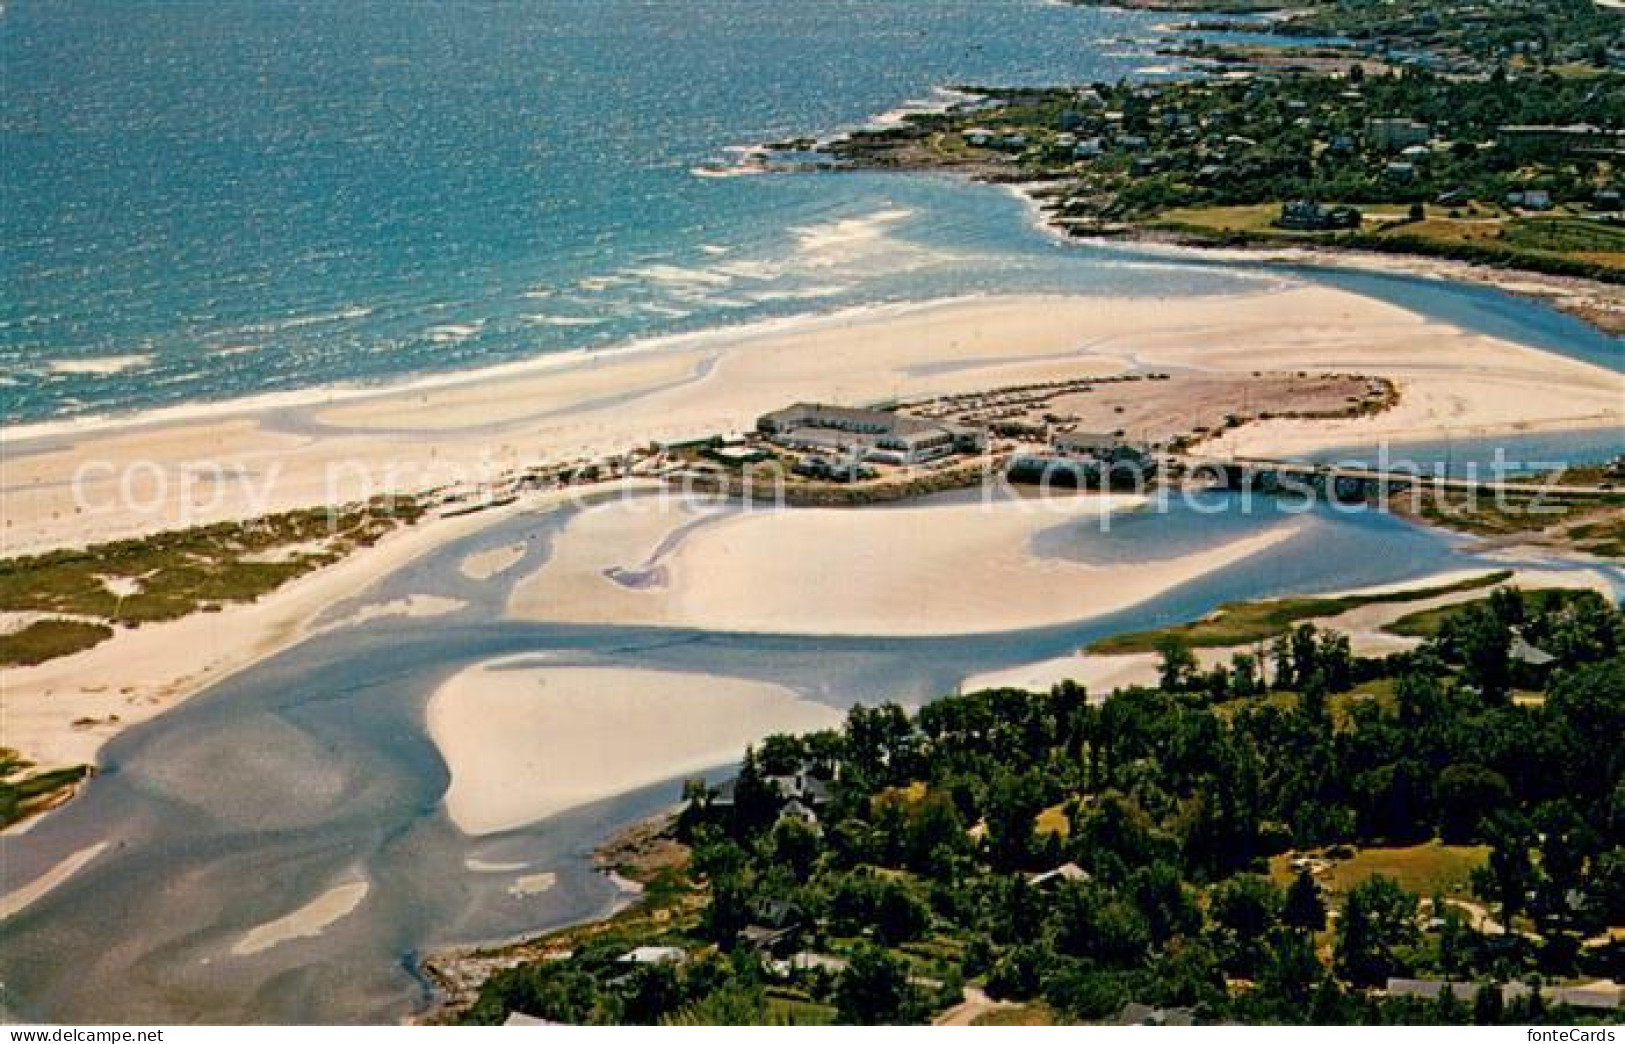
[201,202]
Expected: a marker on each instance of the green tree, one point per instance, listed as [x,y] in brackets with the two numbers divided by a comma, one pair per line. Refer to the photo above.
[1465,795]
[1245,909]
[1303,908]
[1509,874]
[1176,664]
[873,990]
[1377,928]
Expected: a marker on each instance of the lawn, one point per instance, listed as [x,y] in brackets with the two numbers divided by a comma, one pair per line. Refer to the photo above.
[1425,869]
[1243,623]
[1018,1015]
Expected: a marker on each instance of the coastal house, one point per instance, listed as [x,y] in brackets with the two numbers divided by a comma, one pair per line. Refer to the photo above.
[653,955]
[875,436]
[1308,216]
[1593,998]
[1390,134]
[1051,878]
[1573,138]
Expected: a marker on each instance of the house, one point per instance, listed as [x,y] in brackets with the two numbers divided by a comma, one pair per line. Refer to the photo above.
[1530,199]
[1606,199]
[1390,134]
[1575,137]
[796,812]
[519,1018]
[1089,148]
[832,469]
[808,961]
[1399,171]
[1084,460]
[878,436]
[1136,1014]
[774,926]
[1529,655]
[1064,872]
[1596,998]
[1308,216]
[653,955]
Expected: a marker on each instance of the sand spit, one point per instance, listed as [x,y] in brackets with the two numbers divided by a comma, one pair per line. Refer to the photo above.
[525,742]
[306,922]
[843,572]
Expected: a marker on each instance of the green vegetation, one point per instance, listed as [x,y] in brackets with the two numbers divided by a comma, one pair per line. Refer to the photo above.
[1431,151]
[174,574]
[23,793]
[47,639]
[1244,623]
[1429,623]
[1267,864]
[1427,869]
[1596,526]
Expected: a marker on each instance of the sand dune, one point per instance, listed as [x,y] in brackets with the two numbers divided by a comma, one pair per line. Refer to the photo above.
[961,568]
[526,742]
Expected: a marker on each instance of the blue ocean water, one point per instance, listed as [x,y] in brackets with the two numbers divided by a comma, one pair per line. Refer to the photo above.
[203,201]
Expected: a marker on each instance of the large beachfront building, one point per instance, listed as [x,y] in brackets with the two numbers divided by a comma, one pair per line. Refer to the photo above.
[877,436]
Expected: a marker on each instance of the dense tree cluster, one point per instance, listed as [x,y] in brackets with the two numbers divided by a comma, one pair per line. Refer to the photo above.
[1090,855]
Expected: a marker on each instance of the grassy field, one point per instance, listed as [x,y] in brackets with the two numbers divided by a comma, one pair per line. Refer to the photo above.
[1243,623]
[1533,238]
[1426,869]
[1037,1014]
[170,575]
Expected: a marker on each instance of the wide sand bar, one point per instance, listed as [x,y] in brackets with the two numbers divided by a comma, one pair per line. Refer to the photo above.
[526,742]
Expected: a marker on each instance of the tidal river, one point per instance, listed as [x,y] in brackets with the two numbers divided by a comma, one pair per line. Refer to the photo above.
[277,849]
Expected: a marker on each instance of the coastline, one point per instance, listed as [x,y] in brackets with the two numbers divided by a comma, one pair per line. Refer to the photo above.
[480,434]
[1598,304]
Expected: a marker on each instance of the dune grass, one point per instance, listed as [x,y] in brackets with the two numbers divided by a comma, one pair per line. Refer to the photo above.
[174,574]
[23,793]
[47,639]
[1243,623]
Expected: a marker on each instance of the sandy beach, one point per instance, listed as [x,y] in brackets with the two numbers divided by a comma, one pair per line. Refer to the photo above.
[75,484]
[62,711]
[70,485]
[842,572]
[524,740]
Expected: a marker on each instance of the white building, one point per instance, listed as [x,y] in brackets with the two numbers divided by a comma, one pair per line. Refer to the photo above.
[877,436]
